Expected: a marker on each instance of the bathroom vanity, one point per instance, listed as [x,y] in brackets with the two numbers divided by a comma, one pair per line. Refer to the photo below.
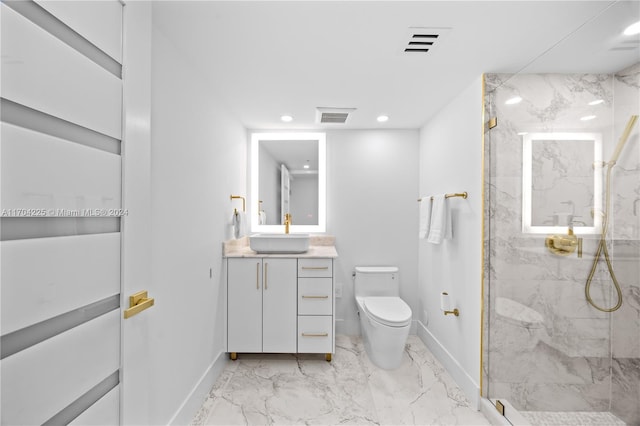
[280,303]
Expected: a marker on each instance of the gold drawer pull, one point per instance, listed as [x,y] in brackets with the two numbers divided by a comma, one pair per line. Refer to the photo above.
[316,267]
[315,334]
[315,297]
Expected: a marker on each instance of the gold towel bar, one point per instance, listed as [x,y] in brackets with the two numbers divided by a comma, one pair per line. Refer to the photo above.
[457,194]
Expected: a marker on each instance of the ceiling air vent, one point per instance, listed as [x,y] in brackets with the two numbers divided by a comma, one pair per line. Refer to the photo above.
[423,39]
[333,115]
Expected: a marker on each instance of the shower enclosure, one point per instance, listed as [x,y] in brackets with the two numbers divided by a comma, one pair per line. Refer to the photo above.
[561,337]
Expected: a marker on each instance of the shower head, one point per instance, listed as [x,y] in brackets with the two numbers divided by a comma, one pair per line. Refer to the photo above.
[623,140]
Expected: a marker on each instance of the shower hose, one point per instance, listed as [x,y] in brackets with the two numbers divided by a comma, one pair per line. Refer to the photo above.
[602,244]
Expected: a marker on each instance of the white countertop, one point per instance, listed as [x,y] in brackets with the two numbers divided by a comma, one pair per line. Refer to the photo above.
[319,246]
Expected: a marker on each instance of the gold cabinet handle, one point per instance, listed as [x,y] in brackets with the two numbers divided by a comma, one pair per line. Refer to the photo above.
[138,302]
[258,276]
[266,274]
[315,334]
[315,267]
[315,297]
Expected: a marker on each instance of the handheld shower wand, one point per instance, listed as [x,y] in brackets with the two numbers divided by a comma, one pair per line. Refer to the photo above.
[602,244]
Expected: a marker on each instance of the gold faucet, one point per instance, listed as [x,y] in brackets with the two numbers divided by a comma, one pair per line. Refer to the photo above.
[287,222]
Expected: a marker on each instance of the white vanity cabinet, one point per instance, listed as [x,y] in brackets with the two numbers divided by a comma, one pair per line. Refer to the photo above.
[280,305]
[261,302]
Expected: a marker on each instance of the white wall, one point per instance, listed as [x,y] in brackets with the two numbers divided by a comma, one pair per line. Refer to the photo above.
[372,188]
[198,158]
[451,161]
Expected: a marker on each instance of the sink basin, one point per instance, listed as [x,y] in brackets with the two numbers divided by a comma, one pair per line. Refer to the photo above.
[279,243]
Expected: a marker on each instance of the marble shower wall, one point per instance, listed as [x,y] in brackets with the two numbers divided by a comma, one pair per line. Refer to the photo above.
[545,347]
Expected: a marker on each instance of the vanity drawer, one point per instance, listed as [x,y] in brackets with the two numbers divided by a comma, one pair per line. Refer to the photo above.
[315,334]
[315,267]
[314,296]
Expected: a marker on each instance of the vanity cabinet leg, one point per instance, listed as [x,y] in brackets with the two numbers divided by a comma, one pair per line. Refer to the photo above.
[328,357]
[233,356]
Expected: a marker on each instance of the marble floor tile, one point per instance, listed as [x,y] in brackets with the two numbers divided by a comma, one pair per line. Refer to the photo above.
[289,389]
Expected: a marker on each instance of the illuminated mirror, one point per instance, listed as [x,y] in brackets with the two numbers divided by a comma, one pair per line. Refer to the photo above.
[562,183]
[288,175]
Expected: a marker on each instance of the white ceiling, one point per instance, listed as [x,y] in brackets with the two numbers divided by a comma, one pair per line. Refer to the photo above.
[268,58]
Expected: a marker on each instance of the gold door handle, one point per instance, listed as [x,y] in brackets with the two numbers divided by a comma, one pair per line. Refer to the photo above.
[315,297]
[315,334]
[258,276]
[315,267]
[138,302]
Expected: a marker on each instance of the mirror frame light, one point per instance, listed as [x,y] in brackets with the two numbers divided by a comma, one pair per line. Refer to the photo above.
[320,137]
[527,170]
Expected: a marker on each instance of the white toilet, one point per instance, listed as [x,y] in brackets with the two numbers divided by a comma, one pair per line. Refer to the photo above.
[385,319]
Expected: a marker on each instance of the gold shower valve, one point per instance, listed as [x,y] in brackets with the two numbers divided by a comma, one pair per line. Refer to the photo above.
[562,245]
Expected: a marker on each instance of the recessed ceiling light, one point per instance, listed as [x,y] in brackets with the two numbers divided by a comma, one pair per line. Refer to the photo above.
[522,133]
[633,29]
[513,101]
[382,118]
[596,102]
[286,118]
[587,117]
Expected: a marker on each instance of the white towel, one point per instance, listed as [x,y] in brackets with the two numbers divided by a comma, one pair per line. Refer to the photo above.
[233,225]
[240,224]
[425,217]
[440,227]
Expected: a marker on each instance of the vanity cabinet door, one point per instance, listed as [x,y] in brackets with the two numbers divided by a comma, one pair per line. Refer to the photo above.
[244,305]
[279,299]
[261,305]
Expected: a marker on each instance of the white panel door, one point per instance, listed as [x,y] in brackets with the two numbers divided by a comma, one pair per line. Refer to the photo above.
[104,412]
[44,73]
[100,22]
[61,135]
[38,381]
[56,275]
[78,178]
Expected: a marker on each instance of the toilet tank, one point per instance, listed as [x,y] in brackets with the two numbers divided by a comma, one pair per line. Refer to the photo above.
[376,281]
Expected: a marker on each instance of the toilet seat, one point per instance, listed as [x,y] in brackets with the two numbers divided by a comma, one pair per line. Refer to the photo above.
[391,311]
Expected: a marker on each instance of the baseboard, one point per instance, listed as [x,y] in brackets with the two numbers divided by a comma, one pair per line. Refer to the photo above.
[453,367]
[192,403]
